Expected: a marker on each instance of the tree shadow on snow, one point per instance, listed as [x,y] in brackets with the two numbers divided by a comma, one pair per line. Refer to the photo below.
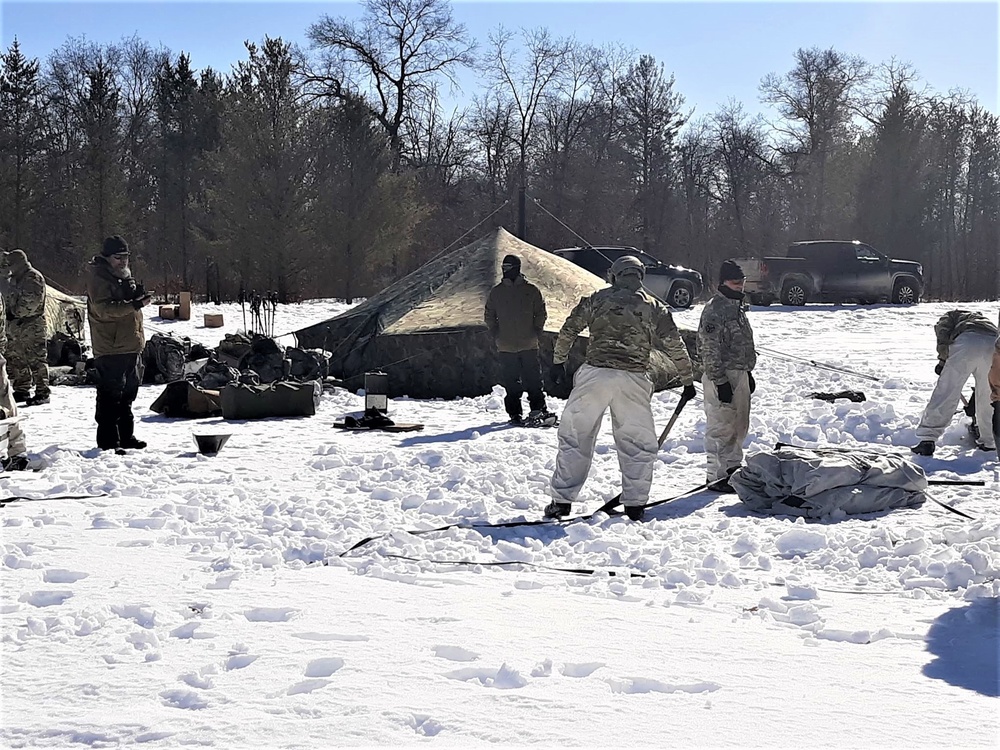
[965,643]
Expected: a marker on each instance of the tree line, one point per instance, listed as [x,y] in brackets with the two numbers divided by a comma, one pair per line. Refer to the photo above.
[333,169]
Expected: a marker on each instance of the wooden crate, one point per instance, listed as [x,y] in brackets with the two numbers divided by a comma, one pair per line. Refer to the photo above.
[213,320]
[168,312]
[184,308]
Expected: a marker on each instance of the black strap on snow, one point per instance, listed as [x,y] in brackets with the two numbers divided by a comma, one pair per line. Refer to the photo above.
[8,500]
[510,524]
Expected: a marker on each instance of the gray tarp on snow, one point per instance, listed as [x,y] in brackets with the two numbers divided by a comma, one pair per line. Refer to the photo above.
[818,483]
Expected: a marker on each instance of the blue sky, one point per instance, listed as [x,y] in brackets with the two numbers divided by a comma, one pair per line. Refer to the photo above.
[716,50]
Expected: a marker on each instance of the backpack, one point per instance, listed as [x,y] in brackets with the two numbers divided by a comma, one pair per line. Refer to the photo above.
[165,357]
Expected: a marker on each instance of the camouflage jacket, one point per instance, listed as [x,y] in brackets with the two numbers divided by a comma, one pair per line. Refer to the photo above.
[725,339]
[995,376]
[515,314]
[115,321]
[954,323]
[624,326]
[24,295]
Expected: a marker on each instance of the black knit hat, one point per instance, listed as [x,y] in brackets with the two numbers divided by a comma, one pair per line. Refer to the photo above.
[511,260]
[114,245]
[730,271]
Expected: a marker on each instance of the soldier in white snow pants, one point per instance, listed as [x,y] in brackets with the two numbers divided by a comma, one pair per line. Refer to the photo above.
[969,354]
[726,424]
[16,448]
[628,394]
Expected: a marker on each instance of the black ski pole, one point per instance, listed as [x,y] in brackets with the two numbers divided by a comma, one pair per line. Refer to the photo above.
[611,504]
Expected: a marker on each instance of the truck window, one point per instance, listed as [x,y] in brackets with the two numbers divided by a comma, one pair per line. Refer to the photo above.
[864,252]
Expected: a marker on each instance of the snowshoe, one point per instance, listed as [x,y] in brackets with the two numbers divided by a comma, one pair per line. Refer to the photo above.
[557,510]
[16,463]
[516,420]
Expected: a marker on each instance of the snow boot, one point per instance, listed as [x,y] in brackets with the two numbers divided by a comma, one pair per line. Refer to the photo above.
[15,463]
[557,510]
[635,512]
[923,448]
[721,485]
[516,420]
[21,396]
[133,443]
[37,400]
[540,418]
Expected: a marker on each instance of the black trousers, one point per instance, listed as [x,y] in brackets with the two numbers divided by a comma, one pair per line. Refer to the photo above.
[996,426]
[520,372]
[118,378]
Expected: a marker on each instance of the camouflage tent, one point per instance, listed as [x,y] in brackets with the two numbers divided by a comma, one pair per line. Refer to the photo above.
[64,314]
[426,331]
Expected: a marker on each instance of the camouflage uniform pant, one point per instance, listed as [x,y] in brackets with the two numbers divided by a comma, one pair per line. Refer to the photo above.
[26,356]
[15,435]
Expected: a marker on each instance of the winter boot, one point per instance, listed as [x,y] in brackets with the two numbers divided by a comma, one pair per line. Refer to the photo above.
[37,400]
[635,512]
[132,442]
[15,463]
[557,510]
[516,420]
[924,448]
[540,418]
[21,396]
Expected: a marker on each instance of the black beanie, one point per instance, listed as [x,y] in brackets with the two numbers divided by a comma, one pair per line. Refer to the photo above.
[114,245]
[730,271]
[511,260]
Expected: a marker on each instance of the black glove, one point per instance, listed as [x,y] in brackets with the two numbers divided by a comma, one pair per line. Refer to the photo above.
[725,392]
[938,367]
[689,392]
[558,373]
[753,383]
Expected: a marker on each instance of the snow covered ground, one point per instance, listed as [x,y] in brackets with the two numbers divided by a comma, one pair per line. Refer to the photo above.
[207,601]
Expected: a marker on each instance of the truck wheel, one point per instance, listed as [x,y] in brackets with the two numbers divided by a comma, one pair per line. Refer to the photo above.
[794,293]
[681,295]
[905,292]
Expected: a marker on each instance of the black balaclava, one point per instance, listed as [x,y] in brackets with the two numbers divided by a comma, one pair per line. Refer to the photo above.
[511,267]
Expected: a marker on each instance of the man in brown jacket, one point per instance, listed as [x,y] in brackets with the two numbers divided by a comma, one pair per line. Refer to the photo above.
[114,309]
[515,316]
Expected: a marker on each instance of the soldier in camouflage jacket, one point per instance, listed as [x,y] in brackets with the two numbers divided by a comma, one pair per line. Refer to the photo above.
[966,342]
[625,322]
[728,356]
[17,452]
[24,297]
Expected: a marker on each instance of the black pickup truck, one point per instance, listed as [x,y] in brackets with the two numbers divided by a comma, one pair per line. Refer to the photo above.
[676,285]
[832,271]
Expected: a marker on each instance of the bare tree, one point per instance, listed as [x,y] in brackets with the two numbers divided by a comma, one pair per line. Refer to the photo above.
[392,57]
[528,76]
[816,99]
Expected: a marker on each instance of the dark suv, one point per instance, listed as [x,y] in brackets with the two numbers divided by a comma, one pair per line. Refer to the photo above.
[675,285]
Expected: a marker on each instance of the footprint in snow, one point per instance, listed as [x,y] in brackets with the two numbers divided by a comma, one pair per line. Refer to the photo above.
[307,686]
[636,685]
[179,698]
[271,614]
[455,653]
[425,725]
[324,667]
[59,575]
[584,669]
[45,598]
[505,678]
[329,637]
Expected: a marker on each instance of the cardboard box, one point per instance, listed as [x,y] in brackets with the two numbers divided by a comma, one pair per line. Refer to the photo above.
[184,308]
[213,320]
[167,312]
